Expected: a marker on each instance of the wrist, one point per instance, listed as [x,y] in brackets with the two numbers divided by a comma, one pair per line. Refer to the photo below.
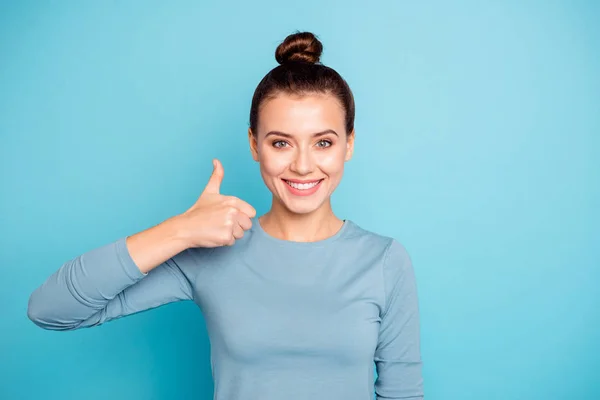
[180,232]
[155,245]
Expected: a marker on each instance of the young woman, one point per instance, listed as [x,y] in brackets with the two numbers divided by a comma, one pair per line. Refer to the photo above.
[298,303]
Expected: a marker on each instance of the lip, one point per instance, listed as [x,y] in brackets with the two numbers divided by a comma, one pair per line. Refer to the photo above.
[306,192]
[300,181]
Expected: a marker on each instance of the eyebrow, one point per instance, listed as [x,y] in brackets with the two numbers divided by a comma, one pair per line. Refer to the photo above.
[325,132]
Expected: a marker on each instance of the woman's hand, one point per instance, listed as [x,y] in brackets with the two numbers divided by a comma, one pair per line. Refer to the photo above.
[215,219]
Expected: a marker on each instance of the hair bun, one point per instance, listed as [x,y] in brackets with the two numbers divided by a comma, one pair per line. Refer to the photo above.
[299,47]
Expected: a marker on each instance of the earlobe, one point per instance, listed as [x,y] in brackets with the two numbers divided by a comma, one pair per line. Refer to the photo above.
[350,146]
[349,154]
[253,145]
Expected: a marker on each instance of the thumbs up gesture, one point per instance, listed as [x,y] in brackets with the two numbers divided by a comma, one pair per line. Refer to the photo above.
[216,219]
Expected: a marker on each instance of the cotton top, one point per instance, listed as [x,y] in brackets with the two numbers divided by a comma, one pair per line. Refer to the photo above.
[286,320]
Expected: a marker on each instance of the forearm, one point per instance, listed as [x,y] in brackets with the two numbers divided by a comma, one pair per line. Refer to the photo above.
[81,289]
[83,286]
[155,245]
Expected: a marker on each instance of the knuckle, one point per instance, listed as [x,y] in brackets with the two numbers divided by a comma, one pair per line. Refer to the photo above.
[226,235]
[231,210]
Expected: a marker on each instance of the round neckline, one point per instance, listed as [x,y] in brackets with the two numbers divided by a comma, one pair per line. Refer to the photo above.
[259,229]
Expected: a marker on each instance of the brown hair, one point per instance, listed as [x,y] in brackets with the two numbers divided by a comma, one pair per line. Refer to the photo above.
[300,73]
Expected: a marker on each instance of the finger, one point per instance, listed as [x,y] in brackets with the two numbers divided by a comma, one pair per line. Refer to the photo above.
[231,241]
[214,183]
[238,232]
[244,221]
[244,207]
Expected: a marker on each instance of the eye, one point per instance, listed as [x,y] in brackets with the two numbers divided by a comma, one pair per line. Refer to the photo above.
[327,143]
[278,141]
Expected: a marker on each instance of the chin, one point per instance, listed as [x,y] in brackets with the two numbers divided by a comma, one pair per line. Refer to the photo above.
[300,205]
[300,209]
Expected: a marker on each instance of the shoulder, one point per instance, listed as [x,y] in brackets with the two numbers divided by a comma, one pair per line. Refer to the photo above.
[394,261]
[362,237]
[391,250]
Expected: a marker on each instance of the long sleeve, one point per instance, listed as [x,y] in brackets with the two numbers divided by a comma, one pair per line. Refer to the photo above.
[398,355]
[104,284]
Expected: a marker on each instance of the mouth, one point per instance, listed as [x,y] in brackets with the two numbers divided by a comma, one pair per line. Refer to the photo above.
[304,188]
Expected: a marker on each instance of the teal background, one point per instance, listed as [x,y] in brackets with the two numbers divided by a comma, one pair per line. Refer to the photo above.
[477,147]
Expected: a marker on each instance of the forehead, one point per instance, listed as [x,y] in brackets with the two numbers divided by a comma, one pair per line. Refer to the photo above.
[300,115]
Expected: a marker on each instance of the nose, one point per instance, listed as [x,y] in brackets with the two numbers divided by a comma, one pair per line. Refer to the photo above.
[303,163]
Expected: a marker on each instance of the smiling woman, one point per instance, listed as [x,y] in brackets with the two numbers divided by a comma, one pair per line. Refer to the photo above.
[297,144]
[312,107]
[299,304]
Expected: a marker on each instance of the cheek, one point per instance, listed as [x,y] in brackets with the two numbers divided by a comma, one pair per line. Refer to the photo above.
[331,161]
[273,164]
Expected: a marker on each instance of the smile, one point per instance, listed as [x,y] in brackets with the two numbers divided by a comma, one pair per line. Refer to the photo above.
[303,189]
[303,186]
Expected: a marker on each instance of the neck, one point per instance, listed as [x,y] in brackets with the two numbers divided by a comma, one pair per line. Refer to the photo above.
[284,224]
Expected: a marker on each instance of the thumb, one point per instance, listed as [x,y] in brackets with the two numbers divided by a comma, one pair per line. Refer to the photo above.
[214,183]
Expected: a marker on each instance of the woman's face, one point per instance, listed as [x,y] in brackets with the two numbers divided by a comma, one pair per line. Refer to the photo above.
[302,139]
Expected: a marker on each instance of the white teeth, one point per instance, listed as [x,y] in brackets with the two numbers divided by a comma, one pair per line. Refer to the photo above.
[302,186]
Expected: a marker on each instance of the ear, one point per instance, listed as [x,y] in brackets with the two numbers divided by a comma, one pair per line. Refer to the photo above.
[253,145]
[349,145]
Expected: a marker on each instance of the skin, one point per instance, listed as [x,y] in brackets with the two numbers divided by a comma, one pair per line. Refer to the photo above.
[301,156]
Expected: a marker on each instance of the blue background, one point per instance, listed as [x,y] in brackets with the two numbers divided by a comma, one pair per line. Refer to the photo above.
[477,147]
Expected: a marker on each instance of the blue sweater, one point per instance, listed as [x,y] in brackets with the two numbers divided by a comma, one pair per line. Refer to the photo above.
[286,320]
